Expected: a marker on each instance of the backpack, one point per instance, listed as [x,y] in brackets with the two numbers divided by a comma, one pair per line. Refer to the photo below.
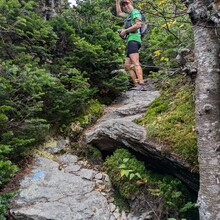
[144,26]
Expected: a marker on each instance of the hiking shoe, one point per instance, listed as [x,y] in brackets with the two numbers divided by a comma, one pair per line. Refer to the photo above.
[140,87]
[133,86]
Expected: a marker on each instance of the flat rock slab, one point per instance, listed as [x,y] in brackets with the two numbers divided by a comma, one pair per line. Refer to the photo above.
[49,192]
[117,128]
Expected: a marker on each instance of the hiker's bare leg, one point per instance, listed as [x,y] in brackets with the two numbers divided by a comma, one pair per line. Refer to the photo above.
[128,67]
[134,59]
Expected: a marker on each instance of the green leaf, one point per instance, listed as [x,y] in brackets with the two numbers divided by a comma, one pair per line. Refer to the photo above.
[127,172]
[122,166]
[138,175]
[131,176]
[122,173]
[125,160]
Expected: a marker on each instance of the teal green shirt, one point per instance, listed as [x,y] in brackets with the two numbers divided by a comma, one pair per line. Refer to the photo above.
[134,36]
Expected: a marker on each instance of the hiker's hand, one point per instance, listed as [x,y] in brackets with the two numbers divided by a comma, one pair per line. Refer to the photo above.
[123,33]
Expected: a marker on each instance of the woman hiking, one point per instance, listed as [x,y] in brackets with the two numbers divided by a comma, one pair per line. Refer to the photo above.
[132,35]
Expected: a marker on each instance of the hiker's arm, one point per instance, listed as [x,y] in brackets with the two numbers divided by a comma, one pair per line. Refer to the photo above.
[133,28]
[120,13]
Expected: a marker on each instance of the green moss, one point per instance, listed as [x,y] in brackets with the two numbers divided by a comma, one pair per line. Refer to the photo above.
[93,154]
[170,120]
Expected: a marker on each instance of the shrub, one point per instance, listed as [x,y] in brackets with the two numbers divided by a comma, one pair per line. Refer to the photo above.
[120,163]
[130,178]
[4,203]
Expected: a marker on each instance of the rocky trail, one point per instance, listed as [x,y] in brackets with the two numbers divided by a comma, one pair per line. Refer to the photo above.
[66,187]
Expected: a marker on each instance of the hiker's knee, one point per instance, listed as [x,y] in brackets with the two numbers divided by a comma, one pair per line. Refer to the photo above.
[127,67]
[137,64]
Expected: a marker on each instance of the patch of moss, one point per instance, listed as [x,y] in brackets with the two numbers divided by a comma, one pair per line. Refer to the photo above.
[43,153]
[93,154]
[170,120]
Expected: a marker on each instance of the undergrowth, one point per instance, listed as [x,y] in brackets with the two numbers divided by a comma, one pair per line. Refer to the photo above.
[4,204]
[167,195]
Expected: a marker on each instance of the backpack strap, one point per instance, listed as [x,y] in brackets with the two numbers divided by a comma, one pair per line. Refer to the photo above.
[127,22]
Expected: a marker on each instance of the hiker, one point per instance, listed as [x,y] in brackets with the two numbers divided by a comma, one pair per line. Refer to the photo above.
[132,36]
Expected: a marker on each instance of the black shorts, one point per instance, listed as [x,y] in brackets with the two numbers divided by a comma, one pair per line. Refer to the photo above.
[132,47]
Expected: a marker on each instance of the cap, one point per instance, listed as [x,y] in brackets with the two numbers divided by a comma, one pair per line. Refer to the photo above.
[125,1]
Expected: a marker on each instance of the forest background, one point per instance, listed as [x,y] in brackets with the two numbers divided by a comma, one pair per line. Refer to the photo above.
[57,64]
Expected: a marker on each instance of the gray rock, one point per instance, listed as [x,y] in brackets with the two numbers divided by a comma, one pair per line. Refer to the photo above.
[117,128]
[48,193]
[87,174]
[108,183]
[61,145]
[112,217]
[133,217]
[67,159]
[116,214]
[112,207]
[123,215]
[98,176]
[99,182]
[72,168]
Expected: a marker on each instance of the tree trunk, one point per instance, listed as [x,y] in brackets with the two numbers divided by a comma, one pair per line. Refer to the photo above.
[208,116]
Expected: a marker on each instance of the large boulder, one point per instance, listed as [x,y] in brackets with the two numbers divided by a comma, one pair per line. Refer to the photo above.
[117,128]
